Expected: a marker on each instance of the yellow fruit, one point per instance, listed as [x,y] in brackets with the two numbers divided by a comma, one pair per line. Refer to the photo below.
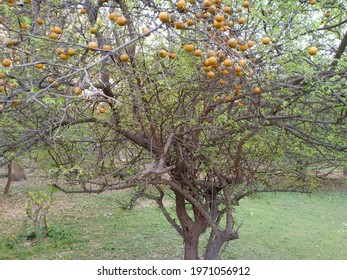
[172,55]
[239,104]
[250,43]
[179,24]
[63,56]
[232,43]
[256,90]
[239,73]
[16,103]
[164,17]
[237,68]
[93,46]
[39,21]
[102,110]
[228,98]
[123,57]
[59,51]
[313,2]
[70,52]
[83,11]
[53,36]
[227,10]
[77,91]
[39,65]
[6,62]
[243,48]
[211,74]
[189,48]
[197,52]
[93,30]
[246,4]
[212,60]
[58,30]
[121,21]
[242,62]
[24,26]
[241,20]
[312,50]
[218,98]
[207,68]
[113,16]
[107,48]
[190,22]
[266,40]
[180,4]
[146,30]
[162,53]
[221,81]
[227,62]
[219,18]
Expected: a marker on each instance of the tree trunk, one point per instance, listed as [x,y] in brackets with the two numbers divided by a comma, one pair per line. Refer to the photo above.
[213,249]
[345,171]
[9,178]
[191,245]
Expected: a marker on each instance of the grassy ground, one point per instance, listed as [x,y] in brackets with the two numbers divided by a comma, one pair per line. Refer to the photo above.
[275,226]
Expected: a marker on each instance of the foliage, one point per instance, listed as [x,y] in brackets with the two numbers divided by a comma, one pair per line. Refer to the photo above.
[156,118]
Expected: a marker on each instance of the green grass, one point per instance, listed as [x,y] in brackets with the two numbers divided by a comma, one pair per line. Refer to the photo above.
[275,226]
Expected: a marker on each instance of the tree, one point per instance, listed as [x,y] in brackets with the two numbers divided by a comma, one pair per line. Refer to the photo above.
[210,100]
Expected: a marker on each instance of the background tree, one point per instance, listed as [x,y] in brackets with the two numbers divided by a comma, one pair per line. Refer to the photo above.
[209,100]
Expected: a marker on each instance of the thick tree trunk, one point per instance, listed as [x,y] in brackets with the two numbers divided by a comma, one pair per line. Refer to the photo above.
[191,245]
[213,249]
[345,171]
[9,178]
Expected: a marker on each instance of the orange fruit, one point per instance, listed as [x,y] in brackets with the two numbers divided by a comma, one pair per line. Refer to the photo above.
[59,50]
[163,53]
[312,50]
[243,48]
[83,11]
[246,4]
[189,48]
[121,21]
[250,43]
[39,65]
[227,10]
[164,17]
[227,62]
[256,90]
[70,52]
[58,30]
[266,40]
[6,62]
[39,21]
[197,52]
[102,110]
[63,56]
[180,4]
[219,18]
[190,22]
[239,104]
[228,98]
[146,30]
[77,91]
[53,36]
[123,57]
[113,16]
[93,30]
[172,55]
[93,46]
[232,43]
[241,20]
[107,48]
[211,74]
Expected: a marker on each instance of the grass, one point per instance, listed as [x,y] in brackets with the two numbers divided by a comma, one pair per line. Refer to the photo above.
[275,226]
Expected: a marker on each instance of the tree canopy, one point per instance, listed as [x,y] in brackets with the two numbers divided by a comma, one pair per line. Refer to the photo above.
[209,100]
